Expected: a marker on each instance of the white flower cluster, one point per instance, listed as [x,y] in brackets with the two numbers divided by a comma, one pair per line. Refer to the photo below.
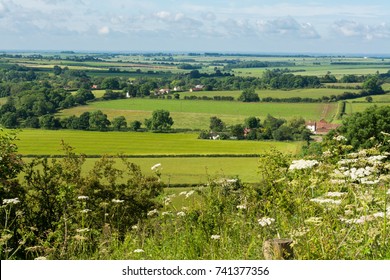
[155,167]
[187,194]
[81,230]
[303,164]
[117,201]
[181,214]
[241,207]
[326,201]
[335,194]
[215,237]
[139,251]
[388,191]
[364,219]
[265,221]
[85,211]
[340,138]
[153,212]
[11,201]
[82,197]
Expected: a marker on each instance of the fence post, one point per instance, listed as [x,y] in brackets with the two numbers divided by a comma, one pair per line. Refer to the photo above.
[278,249]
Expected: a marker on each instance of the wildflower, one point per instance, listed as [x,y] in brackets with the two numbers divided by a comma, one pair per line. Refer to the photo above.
[300,232]
[117,201]
[135,227]
[81,230]
[388,191]
[215,237]
[155,167]
[40,259]
[166,213]
[153,212]
[326,200]
[337,181]
[241,207]
[302,164]
[82,197]
[189,194]
[85,211]
[340,138]
[11,201]
[335,194]
[181,214]
[139,251]
[265,221]
[183,193]
[314,220]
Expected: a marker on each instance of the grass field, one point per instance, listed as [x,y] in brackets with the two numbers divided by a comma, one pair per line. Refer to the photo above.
[196,170]
[176,170]
[196,114]
[48,142]
[360,107]
[303,93]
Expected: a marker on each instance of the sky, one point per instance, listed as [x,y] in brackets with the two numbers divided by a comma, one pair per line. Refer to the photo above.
[244,26]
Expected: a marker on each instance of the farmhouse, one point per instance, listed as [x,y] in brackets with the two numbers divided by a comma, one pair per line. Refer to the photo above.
[162,91]
[197,88]
[322,127]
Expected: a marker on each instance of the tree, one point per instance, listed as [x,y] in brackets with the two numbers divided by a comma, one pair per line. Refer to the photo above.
[49,122]
[98,121]
[249,95]
[135,125]
[216,124]
[238,131]
[9,120]
[372,85]
[83,122]
[160,121]
[369,99]
[110,83]
[252,122]
[119,123]
[366,129]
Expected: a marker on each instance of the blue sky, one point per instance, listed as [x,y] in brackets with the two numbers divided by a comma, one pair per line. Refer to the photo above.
[171,25]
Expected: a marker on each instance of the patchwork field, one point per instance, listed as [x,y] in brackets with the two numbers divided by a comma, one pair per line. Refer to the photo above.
[151,146]
[196,114]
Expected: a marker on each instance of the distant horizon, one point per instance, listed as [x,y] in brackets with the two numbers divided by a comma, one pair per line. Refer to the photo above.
[287,54]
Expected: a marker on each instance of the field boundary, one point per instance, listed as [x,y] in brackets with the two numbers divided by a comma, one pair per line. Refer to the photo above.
[150,156]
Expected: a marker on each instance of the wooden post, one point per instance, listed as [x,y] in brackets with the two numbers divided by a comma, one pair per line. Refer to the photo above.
[278,249]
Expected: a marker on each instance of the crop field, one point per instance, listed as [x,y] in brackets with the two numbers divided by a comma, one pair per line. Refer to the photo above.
[196,114]
[360,107]
[303,93]
[48,142]
[176,170]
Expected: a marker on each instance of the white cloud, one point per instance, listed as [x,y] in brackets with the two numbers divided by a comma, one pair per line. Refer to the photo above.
[347,28]
[104,30]
[3,9]
[287,26]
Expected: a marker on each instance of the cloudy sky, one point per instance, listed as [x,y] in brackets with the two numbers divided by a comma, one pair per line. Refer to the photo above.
[297,26]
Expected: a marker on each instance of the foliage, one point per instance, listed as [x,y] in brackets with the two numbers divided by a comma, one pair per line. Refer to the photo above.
[160,121]
[249,95]
[67,213]
[216,124]
[366,129]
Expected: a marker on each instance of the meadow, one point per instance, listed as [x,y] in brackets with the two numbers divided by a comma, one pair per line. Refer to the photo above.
[196,114]
[303,93]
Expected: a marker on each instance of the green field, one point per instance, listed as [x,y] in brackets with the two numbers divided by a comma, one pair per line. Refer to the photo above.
[196,170]
[303,93]
[360,107]
[176,170]
[196,114]
[48,142]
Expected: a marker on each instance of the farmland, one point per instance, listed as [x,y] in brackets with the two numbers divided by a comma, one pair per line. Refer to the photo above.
[196,114]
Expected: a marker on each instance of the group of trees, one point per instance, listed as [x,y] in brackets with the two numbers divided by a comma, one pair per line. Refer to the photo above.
[253,129]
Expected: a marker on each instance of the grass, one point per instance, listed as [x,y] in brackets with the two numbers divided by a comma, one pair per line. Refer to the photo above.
[195,170]
[196,114]
[43,142]
[308,93]
[360,107]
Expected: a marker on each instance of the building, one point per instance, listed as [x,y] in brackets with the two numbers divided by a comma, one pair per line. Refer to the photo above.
[321,128]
